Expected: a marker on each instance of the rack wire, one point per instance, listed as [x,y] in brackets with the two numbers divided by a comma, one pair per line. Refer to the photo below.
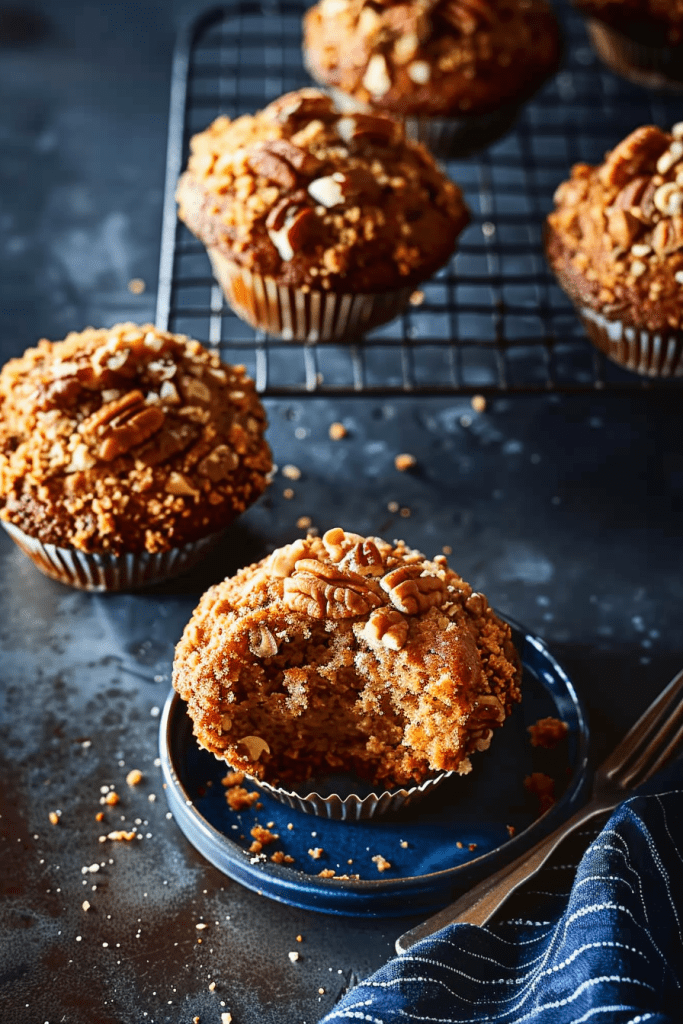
[494,319]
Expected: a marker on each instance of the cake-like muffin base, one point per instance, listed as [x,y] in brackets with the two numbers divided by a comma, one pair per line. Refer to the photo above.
[346,654]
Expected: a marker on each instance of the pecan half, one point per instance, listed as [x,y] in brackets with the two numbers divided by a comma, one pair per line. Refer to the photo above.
[306,104]
[364,559]
[636,155]
[271,166]
[411,592]
[667,237]
[300,228]
[382,131]
[337,542]
[388,627]
[322,591]
[121,425]
[300,159]
[175,438]
[283,560]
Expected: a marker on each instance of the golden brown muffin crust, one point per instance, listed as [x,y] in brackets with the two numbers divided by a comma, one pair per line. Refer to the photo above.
[452,57]
[648,21]
[127,439]
[314,198]
[615,239]
[346,653]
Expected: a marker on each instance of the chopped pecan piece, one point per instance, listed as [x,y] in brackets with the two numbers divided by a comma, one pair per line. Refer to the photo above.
[306,104]
[121,425]
[410,591]
[631,194]
[262,643]
[367,127]
[278,215]
[623,227]
[219,463]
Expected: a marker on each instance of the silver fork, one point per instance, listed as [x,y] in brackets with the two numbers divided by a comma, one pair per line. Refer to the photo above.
[646,748]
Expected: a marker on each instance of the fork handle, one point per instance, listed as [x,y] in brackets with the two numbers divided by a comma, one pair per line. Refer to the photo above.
[478,904]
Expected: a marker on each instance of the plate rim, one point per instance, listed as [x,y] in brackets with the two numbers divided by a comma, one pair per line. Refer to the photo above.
[254,875]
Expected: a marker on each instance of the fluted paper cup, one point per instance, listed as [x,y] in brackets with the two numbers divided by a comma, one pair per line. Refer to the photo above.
[104,571]
[651,353]
[295,315]
[353,806]
[654,67]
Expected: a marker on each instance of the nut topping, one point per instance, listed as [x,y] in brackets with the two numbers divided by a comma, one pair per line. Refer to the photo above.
[364,559]
[376,78]
[388,627]
[271,166]
[262,643]
[253,747]
[411,592]
[322,591]
[121,425]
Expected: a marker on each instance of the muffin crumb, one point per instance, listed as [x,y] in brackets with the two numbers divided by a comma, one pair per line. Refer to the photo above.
[547,732]
[382,863]
[337,431]
[404,462]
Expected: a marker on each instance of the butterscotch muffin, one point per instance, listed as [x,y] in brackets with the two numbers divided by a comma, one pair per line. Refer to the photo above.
[615,242]
[318,224]
[642,40]
[456,71]
[124,453]
[346,654]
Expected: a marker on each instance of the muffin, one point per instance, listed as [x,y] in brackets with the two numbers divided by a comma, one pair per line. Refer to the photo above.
[124,453]
[455,71]
[642,40]
[351,655]
[318,224]
[615,242]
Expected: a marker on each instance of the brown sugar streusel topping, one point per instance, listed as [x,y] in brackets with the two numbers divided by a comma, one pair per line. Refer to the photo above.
[313,197]
[126,439]
[615,238]
[435,57]
[346,653]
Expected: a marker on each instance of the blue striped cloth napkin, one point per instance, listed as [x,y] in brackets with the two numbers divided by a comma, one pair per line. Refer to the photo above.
[594,937]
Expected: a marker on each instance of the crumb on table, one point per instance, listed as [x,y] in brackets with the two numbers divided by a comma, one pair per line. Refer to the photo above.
[404,462]
[316,852]
[326,873]
[541,785]
[382,863]
[337,431]
[134,777]
[239,798]
[547,732]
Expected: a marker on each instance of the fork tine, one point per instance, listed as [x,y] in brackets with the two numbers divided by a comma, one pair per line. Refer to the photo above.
[644,738]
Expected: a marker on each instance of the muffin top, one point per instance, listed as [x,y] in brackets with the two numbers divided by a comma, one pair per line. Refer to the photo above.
[127,439]
[321,200]
[346,653]
[615,238]
[657,22]
[451,57]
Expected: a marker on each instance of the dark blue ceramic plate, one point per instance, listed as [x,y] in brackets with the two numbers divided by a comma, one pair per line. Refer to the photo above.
[436,849]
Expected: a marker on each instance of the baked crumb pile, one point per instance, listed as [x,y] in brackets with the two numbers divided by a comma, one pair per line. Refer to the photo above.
[312,197]
[616,235]
[346,653]
[127,439]
[433,57]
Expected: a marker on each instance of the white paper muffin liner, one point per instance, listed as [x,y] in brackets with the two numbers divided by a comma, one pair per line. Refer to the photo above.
[352,807]
[650,353]
[294,315]
[653,67]
[105,571]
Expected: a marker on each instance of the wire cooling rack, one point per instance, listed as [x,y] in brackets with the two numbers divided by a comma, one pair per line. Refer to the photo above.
[493,320]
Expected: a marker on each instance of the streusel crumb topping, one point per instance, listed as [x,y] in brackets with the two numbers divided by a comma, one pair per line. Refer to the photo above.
[616,235]
[313,197]
[432,56]
[127,439]
[346,653]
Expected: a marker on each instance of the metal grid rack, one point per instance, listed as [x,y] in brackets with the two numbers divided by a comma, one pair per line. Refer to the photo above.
[493,320]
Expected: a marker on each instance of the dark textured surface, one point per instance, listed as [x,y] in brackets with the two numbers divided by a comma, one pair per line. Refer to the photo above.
[566,511]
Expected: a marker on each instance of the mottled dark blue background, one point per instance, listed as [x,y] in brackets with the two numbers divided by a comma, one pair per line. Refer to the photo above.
[565,509]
